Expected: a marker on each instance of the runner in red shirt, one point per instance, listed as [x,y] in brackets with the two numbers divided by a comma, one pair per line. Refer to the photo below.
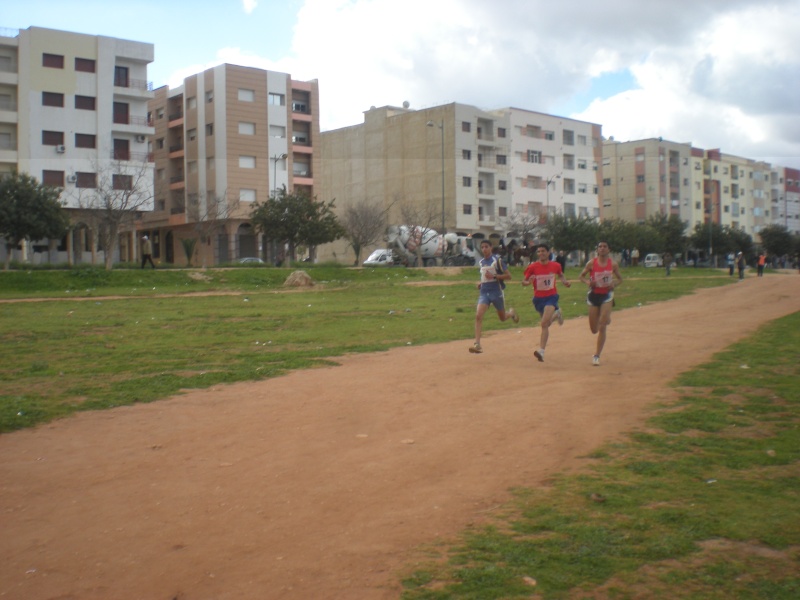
[542,274]
[602,275]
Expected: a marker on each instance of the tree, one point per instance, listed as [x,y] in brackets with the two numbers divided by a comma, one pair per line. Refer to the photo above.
[524,226]
[296,219]
[364,224]
[571,233]
[30,211]
[618,233]
[208,213]
[776,240]
[670,230]
[122,190]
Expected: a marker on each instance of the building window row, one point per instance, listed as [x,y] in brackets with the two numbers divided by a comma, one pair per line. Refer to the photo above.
[85,180]
[56,61]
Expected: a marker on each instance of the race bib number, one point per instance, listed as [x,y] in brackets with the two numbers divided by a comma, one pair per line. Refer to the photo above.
[484,272]
[545,282]
[603,279]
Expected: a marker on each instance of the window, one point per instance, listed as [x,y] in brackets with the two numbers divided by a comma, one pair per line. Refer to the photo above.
[581,140]
[160,113]
[52,138]
[466,181]
[466,154]
[85,65]
[247,195]
[121,114]
[191,102]
[640,179]
[549,135]
[640,200]
[581,163]
[209,129]
[502,185]
[209,97]
[122,182]
[466,126]
[501,159]
[502,211]
[85,102]
[467,209]
[607,181]
[85,140]
[191,166]
[534,156]
[121,76]
[52,99]
[246,128]
[569,161]
[582,188]
[501,133]
[247,95]
[568,137]
[53,178]
[191,135]
[276,99]
[247,162]
[53,61]
[640,158]
[160,143]
[277,131]
[86,180]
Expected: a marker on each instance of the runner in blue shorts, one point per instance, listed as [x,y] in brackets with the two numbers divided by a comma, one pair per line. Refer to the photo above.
[494,274]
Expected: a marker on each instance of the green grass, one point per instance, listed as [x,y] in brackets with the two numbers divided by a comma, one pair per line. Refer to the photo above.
[78,349]
[702,504]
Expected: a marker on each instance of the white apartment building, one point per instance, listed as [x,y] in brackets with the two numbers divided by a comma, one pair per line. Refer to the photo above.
[785,198]
[462,169]
[225,139]
[73,112]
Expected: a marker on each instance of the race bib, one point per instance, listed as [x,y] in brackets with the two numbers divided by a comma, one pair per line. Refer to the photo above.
[602,279]
[484,271]
[545,282]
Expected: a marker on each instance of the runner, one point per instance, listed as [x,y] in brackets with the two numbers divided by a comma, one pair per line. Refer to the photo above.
[542,273]
[494,274]
[603,277]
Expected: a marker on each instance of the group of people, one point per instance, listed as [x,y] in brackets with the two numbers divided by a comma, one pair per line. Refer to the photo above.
[601,275]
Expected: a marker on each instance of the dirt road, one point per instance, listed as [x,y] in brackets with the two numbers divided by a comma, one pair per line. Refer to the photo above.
[322,484]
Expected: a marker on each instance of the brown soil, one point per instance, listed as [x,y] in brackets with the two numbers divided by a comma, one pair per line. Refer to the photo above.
[325,483]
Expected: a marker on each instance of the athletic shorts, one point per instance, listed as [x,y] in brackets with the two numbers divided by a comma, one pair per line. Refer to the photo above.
[540,303]
[492,297]
[598,300]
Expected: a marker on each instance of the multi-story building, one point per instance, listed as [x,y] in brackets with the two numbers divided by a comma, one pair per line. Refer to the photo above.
[225,139]
[73,114]
[461,169]
[785,198]
[643,178]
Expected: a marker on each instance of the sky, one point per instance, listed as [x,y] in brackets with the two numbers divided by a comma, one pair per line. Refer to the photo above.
[714,73]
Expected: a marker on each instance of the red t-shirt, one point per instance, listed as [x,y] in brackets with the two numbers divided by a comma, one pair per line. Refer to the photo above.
[543,277]
[602,276]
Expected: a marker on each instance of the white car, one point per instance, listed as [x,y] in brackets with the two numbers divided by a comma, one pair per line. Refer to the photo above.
[382,257]
[653,260]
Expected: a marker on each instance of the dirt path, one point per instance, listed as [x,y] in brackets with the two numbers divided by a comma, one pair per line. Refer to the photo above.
[321,484]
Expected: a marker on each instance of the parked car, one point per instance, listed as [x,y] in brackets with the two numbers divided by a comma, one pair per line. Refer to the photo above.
[251,260]
[653,260]
[382,257]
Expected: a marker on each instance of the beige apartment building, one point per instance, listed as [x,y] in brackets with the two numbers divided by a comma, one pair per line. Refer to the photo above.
[643,178]
[785,198]
[73,114]
[460,169]
[224,140]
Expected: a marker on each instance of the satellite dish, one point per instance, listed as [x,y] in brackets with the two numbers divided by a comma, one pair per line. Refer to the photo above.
[406,104]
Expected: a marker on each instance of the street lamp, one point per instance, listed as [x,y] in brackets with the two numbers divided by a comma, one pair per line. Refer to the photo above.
[549,181]
[275,160]
[441,127]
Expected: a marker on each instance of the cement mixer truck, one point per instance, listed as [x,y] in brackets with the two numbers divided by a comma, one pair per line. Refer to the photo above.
[415,242]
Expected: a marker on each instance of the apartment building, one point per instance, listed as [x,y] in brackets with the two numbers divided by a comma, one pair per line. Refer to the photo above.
[785,198]
[73,114]
[225,139]
[643,178]
[461,169]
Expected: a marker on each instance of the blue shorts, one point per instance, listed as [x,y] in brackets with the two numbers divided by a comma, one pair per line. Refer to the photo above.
[492,297]
[598,300]
[540,303]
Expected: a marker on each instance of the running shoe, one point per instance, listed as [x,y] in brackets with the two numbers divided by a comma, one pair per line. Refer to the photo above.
[476,349]
[560,317]
[596,360]
[514,315]
[539,354]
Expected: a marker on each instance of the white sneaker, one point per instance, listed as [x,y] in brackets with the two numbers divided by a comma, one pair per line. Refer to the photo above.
[596,360]
[539,354]
[476,349]
[560,317]
[514,315]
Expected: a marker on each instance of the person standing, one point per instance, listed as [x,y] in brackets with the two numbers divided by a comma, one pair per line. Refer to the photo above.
[602,276]
[494,274]
[762,260]
[740,264]
[147,251]
[561,259]
[731,263]
[667,258]
[635,257]
[542,274]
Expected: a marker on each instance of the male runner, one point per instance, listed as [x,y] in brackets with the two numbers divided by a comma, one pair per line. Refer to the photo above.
[494,273]
[603,276]
[542,273]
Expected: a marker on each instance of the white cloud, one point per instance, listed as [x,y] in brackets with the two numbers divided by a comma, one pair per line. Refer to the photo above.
[249,5]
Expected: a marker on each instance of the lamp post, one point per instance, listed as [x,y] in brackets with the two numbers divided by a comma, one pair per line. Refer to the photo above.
[549,181]
[441,127]
[275,160]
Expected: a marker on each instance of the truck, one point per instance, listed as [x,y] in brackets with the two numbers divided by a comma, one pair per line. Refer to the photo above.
[449,249]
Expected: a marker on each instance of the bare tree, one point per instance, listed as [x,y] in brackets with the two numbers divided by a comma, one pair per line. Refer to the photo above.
[121,191]
[522,225]
[364,224]
[421,217]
